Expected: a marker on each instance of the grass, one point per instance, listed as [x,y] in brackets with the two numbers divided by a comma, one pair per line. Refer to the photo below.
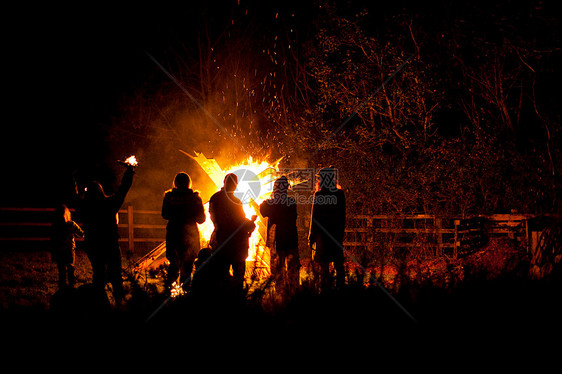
[494,297]
[30,278]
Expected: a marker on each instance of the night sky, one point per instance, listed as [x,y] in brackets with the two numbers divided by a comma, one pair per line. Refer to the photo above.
[67,69]
[66,72]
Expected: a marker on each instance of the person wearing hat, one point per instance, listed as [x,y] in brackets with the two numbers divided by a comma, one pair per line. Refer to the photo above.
[327,227]
[183,208]
[281,211]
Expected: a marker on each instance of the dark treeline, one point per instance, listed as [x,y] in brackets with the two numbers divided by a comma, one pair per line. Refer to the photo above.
[469,124]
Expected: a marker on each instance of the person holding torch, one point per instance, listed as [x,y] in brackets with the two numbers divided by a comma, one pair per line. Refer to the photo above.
[99,213]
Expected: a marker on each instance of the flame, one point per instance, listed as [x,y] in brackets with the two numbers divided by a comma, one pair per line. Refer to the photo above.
[132,160]
[176,290]
[255,184]
[262,174]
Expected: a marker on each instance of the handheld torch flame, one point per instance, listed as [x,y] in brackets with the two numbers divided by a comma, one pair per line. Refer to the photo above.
[132,161]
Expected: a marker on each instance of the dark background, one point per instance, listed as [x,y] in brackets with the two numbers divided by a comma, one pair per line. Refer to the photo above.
[66,72]
[67,69]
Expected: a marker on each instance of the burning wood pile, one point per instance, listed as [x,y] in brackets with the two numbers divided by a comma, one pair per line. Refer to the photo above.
[255,184]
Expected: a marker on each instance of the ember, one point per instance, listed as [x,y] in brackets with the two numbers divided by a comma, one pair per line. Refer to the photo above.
[176,290]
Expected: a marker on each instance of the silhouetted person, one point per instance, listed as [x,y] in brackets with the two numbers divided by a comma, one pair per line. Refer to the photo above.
[281,211]
[62,245]
[327,227]
[99,212]
[183,209]
[232,231]
[207,277]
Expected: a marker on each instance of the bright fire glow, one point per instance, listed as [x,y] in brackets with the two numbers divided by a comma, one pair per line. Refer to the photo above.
[132,160]
[255,184]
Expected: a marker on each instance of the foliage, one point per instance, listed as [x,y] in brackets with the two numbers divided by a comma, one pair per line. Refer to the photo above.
[469,122]
[457,130]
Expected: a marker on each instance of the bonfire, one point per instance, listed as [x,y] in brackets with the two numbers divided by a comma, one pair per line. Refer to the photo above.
[255,184]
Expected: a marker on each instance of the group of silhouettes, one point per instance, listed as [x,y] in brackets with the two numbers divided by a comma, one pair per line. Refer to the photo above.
[221,265]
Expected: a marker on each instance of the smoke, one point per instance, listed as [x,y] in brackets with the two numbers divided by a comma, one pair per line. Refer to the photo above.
[235,78]
[156,126]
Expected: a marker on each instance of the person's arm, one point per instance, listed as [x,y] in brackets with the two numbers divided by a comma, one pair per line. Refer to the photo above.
[265,208]
[76,198]
[238,216]
[165,208]
[124,187]
[212,211]
[77,230]
[238,221]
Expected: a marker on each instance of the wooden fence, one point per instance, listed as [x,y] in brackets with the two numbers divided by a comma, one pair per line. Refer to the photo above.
[31,225]
[142,230]
[437,235]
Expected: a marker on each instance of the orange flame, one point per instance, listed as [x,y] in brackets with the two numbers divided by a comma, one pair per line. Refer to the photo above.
[254,187]
[132,160]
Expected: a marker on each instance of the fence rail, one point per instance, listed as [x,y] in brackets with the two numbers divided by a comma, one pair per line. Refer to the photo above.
[445,235]
[32,225]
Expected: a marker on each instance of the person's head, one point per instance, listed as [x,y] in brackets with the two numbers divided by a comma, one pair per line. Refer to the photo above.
[327,178]
[94,191]
[230,182]
[182,181]
[62,213]
[281,185]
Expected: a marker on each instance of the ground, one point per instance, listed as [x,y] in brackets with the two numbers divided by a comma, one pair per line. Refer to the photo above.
[28,279]
[485,297]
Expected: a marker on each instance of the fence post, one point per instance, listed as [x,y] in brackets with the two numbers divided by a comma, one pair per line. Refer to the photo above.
[370,235]
[455,250]
[130,229]
[438,228]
